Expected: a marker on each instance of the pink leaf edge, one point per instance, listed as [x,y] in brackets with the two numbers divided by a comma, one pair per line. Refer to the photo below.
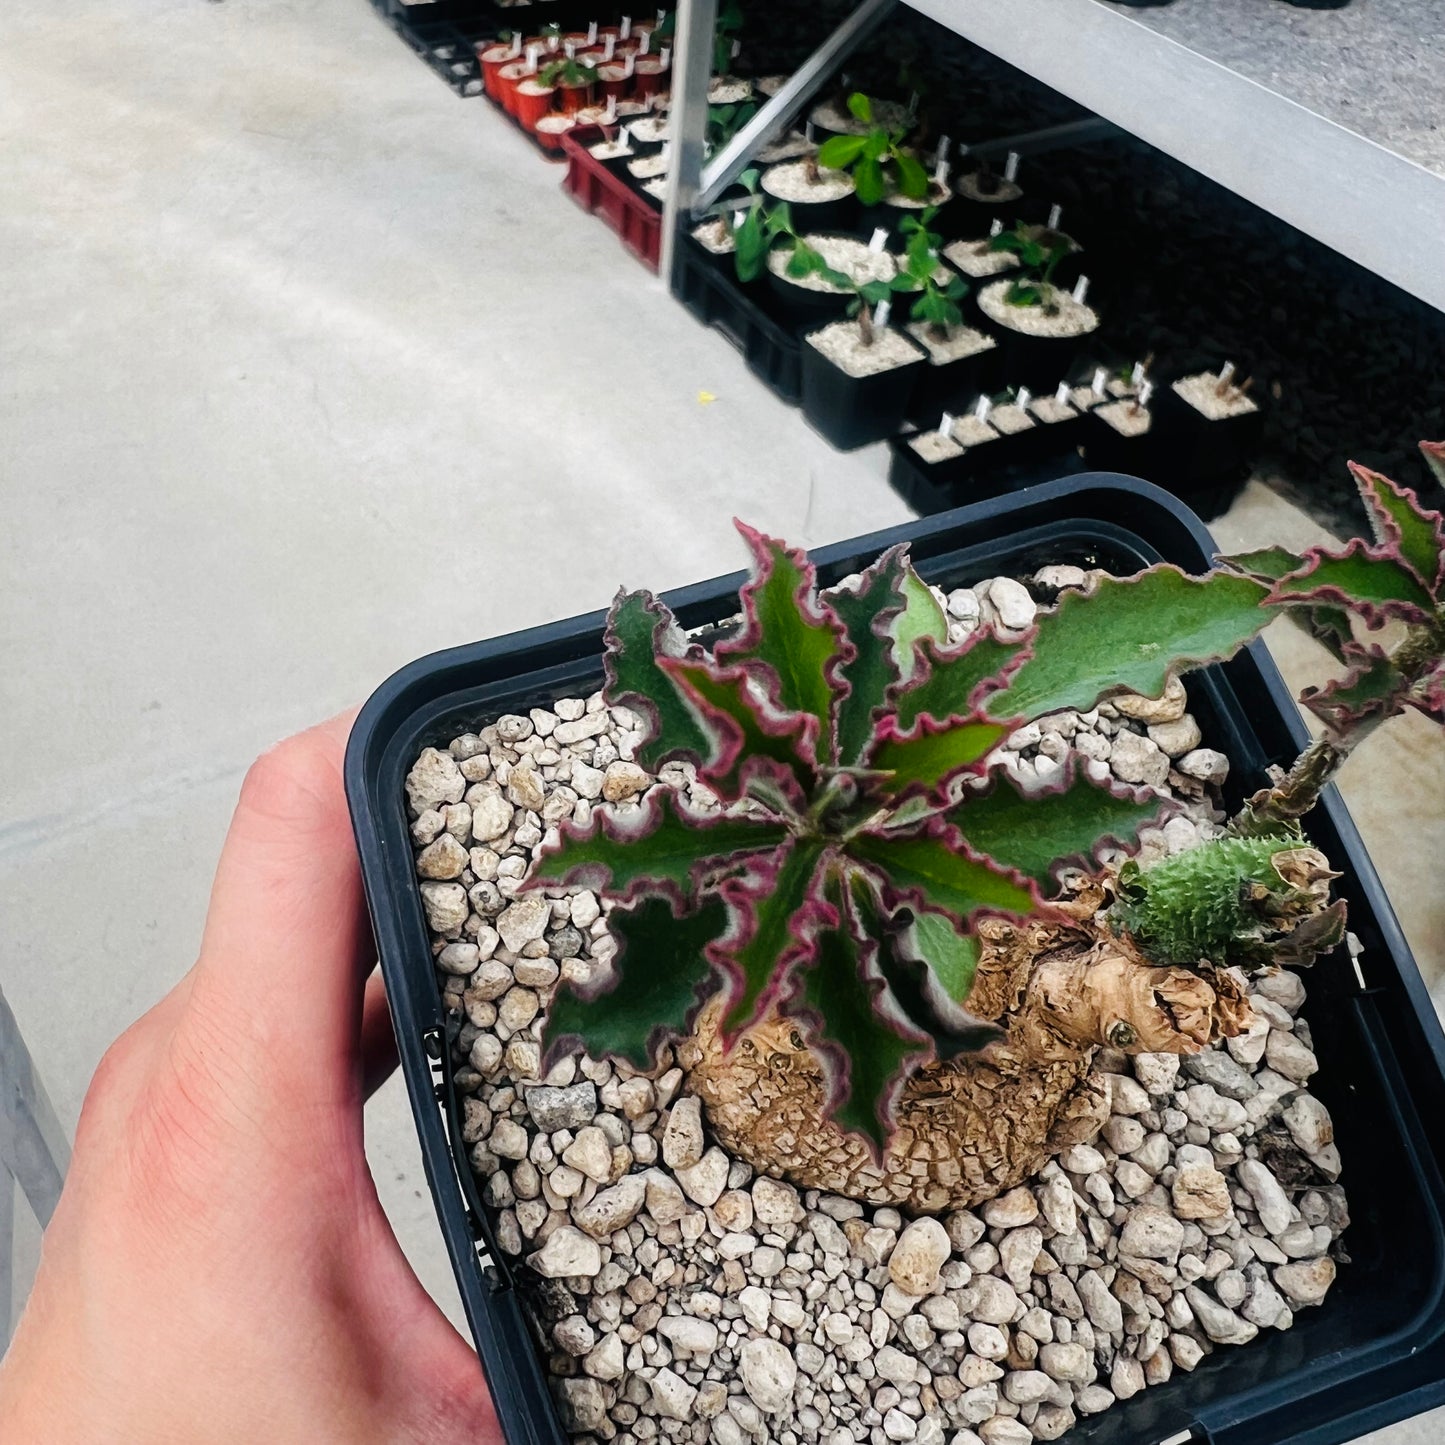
[1388,533]
[1294,588]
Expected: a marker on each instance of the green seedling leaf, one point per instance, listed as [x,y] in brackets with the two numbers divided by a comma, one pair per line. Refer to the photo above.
[932,755]
[861,107]
[663,846]
[922,619]
[640,629]
[790,630]
[869,615]
[779,909]
[659,980]
[1373,688]
[1368,581]
[741,710]
[1269,564]
[912,178]
[876,145]
[1403,528]
[1038,832]
[953,683]
[868,181]
[839,152]
[1130,633]
[933,868]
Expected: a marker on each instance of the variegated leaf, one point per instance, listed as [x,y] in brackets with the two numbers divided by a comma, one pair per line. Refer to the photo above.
[1403,527]
[1373,688]
[868,614]
[932,755]
[921,620]
[1367,580]
[955,681]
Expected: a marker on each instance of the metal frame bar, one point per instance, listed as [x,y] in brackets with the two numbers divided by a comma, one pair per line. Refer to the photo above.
[691,72]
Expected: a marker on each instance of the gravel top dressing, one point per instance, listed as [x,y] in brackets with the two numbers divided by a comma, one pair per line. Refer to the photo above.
[961,341]
[1066,319]
[1010,419]
[680,1297]
[727,90]
[656,188]
[1049,409]
[645,166]
[1202,393]
[1125,417]
[786,148]
[715,236]
[842,343]
[973,431]
[609,150]
[934,446]
[789,182]
[830,115]
[842,253]
[1084,397]
[651,129]
[1002,194]
[937,196]
[975,259]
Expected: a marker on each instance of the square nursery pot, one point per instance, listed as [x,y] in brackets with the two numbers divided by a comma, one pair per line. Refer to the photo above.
[852,410]
[1372,1354]
[1209,450]
[1027,358]
[950,382]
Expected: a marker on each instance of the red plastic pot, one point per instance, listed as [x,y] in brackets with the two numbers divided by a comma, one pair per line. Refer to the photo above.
[551,128]
[650,77]
[572,98]
[509,77]
[614,80]
[533,100]
[492,58]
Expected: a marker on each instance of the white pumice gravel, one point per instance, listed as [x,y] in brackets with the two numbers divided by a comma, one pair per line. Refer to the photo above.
[679,1298]
[1062,317]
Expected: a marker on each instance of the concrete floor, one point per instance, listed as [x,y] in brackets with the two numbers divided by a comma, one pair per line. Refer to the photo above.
[308,368]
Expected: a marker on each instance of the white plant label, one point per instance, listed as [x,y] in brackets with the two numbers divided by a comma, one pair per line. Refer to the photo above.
[1024,397]
[879,240]
[1226,373]
[1145,393]
[1061,395]
[609,47]
[592,32]
[943,146]
[610,114]
[1011,167]
[1136,374]
[644,43]
[625,29]
[553,43]
[982,408]
[533,56]
[940,172]
[1081,289]
[1056,214]
[516,46]
[624,133]
[945,424]
[570,47]
[737,48]
[995,227]
[881,315]
[1100,384]
[629,66]
[665,56]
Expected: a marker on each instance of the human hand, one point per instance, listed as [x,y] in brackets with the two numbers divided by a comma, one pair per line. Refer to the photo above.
[219,1267]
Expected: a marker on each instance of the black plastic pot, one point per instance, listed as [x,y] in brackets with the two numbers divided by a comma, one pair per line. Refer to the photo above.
[851,411]
[1208,451]
[1037,362]
[804,306]
[951,385]
[818,217]
[1374,1352]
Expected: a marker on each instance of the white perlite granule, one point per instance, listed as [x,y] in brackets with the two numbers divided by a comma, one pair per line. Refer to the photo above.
[960,341]
[687,1300]
[1066,318]
[1125,417]
[933,446]
[975,259]
[716,236]
[1050,410]
[1010,419]
[889,114]
[842,343]
[972,431]
[789,181]
[1202,393]
[645,167]
[842,253]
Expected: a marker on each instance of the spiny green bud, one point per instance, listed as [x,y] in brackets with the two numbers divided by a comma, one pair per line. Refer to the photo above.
[1246,901]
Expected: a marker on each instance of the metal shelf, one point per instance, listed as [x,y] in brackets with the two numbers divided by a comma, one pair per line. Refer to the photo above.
[1331,120]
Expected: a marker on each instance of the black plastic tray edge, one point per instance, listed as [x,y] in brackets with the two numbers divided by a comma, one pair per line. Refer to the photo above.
[512,1365]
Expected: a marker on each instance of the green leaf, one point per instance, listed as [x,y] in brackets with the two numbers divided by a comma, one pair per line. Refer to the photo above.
[1373,688]
[1434,454]
[865,1041]
[662,846]
[932,869]
[951,956]
[950,687]
[932,754]
[922,619]
[875,145]
[1404,526]
[1364,580]
[658,982]
[791,631]
[747,722]
[780,911]
[912,178]
[861,107]
[1268,564]
[1130,633]
[868,617]
[839,152]
[868,182]
[1035,833]
[640,629]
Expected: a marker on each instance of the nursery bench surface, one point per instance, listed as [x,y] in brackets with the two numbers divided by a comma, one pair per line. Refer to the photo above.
[1328,119]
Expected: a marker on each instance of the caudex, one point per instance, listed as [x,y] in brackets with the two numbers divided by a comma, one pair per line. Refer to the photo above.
[886,966]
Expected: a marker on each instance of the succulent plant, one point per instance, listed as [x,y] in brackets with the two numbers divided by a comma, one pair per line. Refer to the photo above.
[862,830]
[877,161]
[940,290]
[1040,250]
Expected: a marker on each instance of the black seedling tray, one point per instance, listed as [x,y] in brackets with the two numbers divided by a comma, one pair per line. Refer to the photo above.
[1372,1354]
[772,349]
[930,490]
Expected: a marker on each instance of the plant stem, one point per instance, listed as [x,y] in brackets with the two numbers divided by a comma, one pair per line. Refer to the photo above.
[865,324]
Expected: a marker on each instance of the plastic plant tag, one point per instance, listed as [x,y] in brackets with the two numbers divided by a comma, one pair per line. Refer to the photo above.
[808,133]
[995,227]
[592,32]
[665,56]
[944,144]
[945,424]
[644,43]
[881,315]
[1100,384]
[1081,289]
[554,43]
[737,47]
[940,172]
[624,135]
[1061,393]
[1145,393]
[609,47]
[878,240]
[1011,167]
[569,48]
[1226,374]
[629,66]
[1024,397]
[982,407]
[1056,214]
[625,28]
[517,45]
[610,114]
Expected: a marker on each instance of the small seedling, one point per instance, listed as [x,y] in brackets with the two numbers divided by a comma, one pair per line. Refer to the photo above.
[725,36]
[725,121]
[568,73]
[877,160]
[1039,251]
[939,300]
